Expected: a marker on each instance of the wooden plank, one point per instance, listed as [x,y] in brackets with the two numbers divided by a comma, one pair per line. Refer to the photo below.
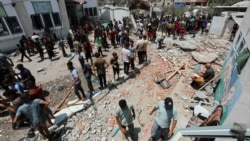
[61,103]
[169,77]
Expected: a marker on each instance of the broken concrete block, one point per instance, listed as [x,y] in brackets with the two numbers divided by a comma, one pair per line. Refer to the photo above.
[201,94]
[187,46]
[204,57]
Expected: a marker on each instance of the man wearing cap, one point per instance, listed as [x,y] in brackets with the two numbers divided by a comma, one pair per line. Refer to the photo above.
[165,120]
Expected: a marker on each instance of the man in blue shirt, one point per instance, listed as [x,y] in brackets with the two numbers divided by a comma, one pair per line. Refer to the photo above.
[34,111]
[165,120]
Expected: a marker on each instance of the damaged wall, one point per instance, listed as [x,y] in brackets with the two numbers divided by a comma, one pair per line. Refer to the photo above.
[233,89]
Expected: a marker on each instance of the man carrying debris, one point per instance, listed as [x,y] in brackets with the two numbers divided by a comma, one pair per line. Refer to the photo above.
[34,111]
[125,114]
[76,81]
[165,120]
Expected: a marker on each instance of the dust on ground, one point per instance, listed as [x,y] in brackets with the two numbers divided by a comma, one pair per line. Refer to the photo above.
[141,91]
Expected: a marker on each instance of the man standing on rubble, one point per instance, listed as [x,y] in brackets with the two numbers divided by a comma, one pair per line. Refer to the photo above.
[76,81]
[165,121]
[139,49]
[125,114]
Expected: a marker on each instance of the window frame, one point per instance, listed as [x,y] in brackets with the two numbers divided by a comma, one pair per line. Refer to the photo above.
[5,27]
[11,23]
[53,24]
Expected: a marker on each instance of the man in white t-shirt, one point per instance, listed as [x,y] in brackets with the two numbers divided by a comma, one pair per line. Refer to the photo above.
[139,28]
[126,55]
[76,81]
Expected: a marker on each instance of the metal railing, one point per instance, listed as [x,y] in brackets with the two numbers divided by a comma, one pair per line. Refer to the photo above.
[208,132]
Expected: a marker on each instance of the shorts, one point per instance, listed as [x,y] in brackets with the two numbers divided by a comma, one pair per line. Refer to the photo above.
[130,128]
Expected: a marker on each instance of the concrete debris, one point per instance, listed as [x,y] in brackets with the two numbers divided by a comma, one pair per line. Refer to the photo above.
[201,94]
[204,57]
[187,46]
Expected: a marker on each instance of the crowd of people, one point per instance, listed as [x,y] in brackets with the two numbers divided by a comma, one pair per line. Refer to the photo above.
[24,100]
[28,102]
[176,26]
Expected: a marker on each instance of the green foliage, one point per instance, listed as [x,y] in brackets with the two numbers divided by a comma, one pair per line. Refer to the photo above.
[171,10]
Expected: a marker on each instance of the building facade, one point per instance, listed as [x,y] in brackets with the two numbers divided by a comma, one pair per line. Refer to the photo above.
[19,17]
[233,89]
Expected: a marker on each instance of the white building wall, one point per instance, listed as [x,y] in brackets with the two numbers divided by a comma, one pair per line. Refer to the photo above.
[240,112]
[90,3]
[111,13]
[9,42]
[23,9]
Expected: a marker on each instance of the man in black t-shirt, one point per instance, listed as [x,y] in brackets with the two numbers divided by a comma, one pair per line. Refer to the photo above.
[25,74]
[209,73]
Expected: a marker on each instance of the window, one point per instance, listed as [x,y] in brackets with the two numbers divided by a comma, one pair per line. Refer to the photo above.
[86,11]
[56,18]
[95,11]
[8,24]
[36,21]
[3,30]
[43,20]
[13,25]
[91,11]
[242,44]
[42,7]
[47,20]
[2,11]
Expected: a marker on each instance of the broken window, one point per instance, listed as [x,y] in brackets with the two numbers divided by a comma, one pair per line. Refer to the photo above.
[13,25]
[3,30]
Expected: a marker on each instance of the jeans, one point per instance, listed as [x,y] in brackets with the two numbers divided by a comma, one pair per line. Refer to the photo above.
[157,132]
[77,88]
[89,83]
[102,79]
[132,62]
[140,57]
[126,67]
